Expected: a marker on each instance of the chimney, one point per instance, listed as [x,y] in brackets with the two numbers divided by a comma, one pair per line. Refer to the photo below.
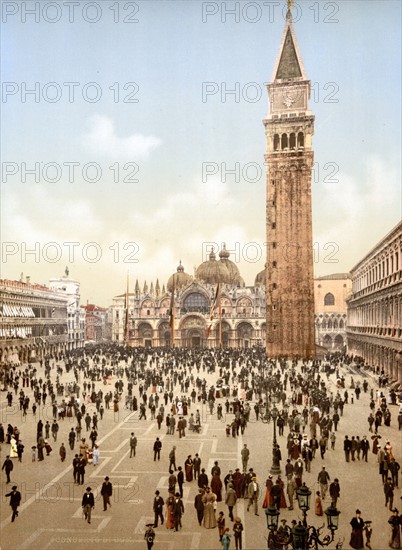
[28,279]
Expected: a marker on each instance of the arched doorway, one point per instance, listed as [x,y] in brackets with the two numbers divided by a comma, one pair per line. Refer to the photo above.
[339,341]
[164,334]
[145,334]
[193,332]
[328,341]
[244,335]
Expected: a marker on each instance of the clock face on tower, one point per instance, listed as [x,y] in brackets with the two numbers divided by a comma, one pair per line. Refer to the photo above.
[292,97]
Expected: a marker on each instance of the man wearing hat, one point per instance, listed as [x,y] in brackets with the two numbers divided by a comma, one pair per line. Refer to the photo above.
[88,502]
[15,499]
[364,447]
[230,500]
[106,492]
[291,491]
[253,493]
[149,535]
[237,530]
[323,478]
[158,508]
[199,506]
[284,530]
[334,491]
[178,511]
[8,467]
[245,455]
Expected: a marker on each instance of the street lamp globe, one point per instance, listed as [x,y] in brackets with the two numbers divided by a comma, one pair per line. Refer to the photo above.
[332,514]
[272,515]
[303,496]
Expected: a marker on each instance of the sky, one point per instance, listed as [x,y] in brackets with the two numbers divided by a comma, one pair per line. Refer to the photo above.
[132,134]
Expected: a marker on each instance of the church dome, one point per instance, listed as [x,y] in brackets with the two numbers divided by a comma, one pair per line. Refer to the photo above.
[260,279]
[213,272]
[234,274]
[180,279]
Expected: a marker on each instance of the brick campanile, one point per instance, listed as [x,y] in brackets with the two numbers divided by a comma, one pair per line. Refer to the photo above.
[289,128]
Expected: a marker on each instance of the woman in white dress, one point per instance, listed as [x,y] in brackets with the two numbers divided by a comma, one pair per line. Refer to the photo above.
[95,455]
[13,450]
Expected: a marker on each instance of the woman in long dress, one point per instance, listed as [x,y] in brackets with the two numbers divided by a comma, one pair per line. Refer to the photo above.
[318,505]
[216,487]
[282,486]
[188,468]
[169,515]
[95,455]
[356,538]
[209,511]
[13,450]
[268,501]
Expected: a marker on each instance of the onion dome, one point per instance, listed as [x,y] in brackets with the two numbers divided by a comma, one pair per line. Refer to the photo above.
[260,279]
[234,274]
[180,279]
[212,272]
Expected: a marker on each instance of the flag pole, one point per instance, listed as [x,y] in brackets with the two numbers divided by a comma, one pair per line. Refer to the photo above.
[126,332]
[172,306]
[220,320]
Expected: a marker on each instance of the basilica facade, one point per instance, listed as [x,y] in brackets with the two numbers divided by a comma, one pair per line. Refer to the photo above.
[182,313]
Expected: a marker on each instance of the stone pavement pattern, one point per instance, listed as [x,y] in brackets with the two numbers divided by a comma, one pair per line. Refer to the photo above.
[50,515]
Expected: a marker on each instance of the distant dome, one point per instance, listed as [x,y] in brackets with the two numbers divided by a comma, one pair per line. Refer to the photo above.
[234,274]
[213,272]
[180,279]
[260,280]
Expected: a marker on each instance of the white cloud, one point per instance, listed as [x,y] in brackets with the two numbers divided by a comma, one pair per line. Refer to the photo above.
[355,214]
[103,140]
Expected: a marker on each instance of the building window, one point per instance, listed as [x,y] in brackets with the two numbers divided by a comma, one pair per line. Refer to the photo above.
[148,312]
[300,139]
[196,302]
[329,299]
[293,141]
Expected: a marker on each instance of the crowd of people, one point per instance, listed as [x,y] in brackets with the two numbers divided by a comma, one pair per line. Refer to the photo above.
[171,388]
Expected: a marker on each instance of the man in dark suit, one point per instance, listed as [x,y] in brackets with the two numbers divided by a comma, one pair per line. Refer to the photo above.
[88,502]
[202,479]
[15,499]
[178,511]
[196,465]
[157,449]
[199,506]
[106,492]
[81,471]
[8,467]
[365,448]
[180,480]
[158,508]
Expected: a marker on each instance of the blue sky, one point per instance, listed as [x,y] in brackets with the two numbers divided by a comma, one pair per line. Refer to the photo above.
[172,132]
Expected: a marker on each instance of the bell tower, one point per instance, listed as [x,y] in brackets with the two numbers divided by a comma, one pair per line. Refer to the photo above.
[289,128]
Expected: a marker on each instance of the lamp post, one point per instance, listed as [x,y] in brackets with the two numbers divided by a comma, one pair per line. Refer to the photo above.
[275,468]
[305,536]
